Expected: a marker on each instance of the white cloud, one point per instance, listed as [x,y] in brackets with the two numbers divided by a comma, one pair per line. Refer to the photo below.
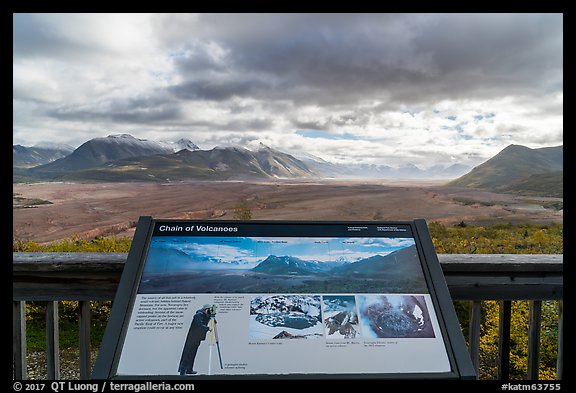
[384,88]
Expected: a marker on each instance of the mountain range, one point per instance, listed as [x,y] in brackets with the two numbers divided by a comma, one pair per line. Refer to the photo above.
[294,266]
[26,157]
[378,171]
[100,151]
[125,158]
[519,170]
[122,157]
[399,261]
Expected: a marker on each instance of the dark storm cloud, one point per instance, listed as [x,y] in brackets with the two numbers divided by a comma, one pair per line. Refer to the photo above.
[258,124]
[217,128]
[217,90]
[42,36]
[338,59]
[34,37]
[310,125]
[331,122]
[131,110]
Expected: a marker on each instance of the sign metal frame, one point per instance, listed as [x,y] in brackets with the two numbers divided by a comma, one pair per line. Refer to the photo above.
[115,334]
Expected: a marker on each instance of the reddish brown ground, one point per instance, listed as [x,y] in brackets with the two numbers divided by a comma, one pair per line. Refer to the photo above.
[88,210]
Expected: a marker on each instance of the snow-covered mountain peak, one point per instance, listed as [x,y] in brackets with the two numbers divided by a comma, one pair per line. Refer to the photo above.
[262,146]
[124,136]
[54,146]
[186,144]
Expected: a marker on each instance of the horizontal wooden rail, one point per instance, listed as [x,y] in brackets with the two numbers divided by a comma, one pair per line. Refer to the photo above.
[52,276]
[83,277]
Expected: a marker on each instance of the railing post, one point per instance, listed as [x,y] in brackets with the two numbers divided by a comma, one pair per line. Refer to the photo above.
[52,341]
[84,338]
[474,334]
[504,340]
[560,358]
[19,339]
[534,321]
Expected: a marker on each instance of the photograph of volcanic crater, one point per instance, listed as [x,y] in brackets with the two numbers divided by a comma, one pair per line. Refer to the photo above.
[340,317]
[395,316]
[285,317]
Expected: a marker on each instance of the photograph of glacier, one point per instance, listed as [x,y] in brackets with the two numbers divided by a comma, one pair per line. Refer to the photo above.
[340,317]
[395,316]
[188,264]
[285,317]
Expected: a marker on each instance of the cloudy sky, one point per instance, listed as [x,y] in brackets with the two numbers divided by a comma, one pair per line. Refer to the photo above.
[372,88]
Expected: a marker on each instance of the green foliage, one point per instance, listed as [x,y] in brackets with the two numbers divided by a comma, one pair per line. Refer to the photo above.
[19,202]
[75,244]
[506,239]
[462,308]
[497,239]
[68,312]
[243,211]
[518,339]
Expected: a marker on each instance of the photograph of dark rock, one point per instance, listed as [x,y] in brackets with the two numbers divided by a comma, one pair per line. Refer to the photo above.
[395,316]
[340,317]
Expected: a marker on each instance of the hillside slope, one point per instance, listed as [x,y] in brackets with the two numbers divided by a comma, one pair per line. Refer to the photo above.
[519,169]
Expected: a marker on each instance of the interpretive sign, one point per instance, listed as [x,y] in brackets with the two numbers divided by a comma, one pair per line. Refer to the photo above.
[213,299]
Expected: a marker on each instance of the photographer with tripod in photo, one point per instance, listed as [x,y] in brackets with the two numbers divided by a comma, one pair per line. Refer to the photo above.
[204,321]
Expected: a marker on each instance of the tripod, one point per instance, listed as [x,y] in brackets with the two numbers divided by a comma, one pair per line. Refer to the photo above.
[213,340]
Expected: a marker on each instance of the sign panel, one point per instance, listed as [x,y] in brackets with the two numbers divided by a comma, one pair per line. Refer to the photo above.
[211,299]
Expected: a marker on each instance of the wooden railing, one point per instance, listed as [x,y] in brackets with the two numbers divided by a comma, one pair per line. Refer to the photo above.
[83,277]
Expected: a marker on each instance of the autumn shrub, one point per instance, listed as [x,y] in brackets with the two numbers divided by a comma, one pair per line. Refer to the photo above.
[68,310]
[506,238]
[518,340]
[497,239]
[76,244]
